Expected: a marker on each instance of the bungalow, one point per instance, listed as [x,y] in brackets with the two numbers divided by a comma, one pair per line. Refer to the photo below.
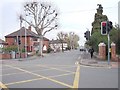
[56,45]
[25,39]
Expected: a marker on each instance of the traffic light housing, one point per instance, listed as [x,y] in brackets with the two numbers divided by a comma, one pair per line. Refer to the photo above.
[109,26]
[19,42]
[87,35]
[104,28]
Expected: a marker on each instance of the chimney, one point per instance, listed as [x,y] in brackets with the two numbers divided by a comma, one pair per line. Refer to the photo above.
[29,28]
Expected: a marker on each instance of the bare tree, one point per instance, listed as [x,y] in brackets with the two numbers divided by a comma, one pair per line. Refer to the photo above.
[72,40]
[41,17]
[62,37]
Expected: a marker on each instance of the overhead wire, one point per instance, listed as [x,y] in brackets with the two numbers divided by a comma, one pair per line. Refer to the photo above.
[85,10]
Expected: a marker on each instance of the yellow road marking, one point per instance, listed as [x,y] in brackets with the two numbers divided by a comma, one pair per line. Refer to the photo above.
[49,68]
[41,76]
[3,86]
[23,72]
[56,68]
[76,79]
[24,81]
[63,66]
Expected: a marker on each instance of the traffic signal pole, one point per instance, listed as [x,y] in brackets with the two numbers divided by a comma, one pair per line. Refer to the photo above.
[108,49]
[106,27]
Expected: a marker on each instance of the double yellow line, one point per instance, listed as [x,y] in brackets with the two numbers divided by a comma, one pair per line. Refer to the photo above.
[44,77]
[77,76]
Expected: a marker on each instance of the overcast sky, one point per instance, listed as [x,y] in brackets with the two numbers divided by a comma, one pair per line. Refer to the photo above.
[74,15]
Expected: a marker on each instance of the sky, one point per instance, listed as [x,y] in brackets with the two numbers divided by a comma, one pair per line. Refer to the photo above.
[119,13]
[74,15]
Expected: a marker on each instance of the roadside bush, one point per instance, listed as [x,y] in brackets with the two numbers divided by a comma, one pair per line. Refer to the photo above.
[9,49]
[49,49]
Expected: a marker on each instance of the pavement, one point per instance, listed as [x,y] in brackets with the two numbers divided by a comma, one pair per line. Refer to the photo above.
[95,62]
[28,58]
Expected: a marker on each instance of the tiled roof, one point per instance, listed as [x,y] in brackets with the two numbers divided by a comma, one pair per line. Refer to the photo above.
[21,32]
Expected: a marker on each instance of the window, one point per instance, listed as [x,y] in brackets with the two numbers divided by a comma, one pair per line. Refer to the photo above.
[34,39]
[15,39]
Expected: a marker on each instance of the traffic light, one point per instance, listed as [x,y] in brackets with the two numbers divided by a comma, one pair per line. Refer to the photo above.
[109,26]
[87,35]
[104,28]
[19,42]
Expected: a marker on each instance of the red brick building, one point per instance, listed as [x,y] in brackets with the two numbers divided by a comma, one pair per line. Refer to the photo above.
[29,39]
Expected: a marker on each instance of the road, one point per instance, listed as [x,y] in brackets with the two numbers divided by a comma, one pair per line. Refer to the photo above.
[56,70]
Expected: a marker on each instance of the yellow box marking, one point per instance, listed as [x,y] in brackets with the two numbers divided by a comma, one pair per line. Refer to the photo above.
[41,76]
[56,68]
[24,81]
[24,72]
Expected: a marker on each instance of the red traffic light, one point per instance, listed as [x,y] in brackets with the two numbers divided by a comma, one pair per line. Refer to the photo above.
[103,23]
[104,28]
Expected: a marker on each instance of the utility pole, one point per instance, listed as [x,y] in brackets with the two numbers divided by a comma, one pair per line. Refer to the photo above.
[20,39]
[25,38]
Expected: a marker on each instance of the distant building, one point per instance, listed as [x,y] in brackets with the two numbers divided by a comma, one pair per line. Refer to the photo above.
[56,45]
[31,38]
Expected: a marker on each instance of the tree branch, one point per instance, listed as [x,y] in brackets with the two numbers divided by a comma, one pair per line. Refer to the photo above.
[49,22]
[39,15]
[28,8]
[48,30]
[42,15]
[28,22]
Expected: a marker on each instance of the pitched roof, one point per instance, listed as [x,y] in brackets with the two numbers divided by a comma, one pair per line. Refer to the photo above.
[21,32]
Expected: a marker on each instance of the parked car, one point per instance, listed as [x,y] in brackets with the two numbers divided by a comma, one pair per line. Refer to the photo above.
[82,49]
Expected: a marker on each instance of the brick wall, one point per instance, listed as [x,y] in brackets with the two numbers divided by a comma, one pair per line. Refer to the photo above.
[5,56]
[11,41]
[9,56]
